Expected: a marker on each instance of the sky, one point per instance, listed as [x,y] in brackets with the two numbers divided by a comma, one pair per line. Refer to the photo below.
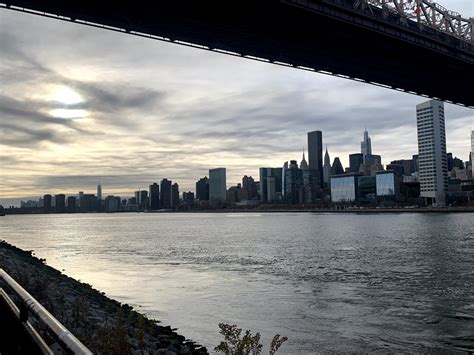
[79,105]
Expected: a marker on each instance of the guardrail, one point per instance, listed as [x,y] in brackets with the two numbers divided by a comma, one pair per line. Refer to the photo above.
[28,304]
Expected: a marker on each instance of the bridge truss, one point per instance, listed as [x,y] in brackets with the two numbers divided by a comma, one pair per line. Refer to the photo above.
[426,13]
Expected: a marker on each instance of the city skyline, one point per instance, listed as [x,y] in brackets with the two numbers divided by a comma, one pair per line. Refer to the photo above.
[98,188]
[217,186]
[70,118]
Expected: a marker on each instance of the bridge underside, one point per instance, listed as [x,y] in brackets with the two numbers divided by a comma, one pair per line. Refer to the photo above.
[314,35]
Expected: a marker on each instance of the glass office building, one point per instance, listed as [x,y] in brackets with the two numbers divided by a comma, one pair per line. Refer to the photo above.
[344,188]
[217,185]
[265,174]
[366,188]
[387,184]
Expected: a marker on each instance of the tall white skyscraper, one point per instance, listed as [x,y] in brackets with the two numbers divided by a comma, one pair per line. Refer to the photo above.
[366,145]
[217,184]
[432,160]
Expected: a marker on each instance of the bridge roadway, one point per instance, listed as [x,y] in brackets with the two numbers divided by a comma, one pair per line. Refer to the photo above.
[329,36]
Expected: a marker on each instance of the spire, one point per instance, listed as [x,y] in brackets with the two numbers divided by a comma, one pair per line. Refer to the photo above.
[304,164]
[366,145]
[327,160]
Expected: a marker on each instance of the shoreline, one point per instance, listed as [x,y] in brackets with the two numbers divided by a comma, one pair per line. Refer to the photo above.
[102,324]
[276,210]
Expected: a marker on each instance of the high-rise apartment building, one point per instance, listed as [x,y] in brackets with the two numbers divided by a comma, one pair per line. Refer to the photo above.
[432,161]
[217,185]
[154,199]
[47,203]
[165,194]
[71,204]
[202,189]
[175,196]
[315,155]
[143,200]
[60,203]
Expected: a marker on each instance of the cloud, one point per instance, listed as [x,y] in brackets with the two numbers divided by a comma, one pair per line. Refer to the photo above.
[158,110]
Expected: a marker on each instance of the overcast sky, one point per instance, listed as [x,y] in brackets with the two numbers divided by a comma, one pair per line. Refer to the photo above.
[141,110]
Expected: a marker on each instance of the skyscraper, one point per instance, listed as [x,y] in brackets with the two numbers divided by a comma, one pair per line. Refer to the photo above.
[310,183]
[472,150]
[283,178]
[47,203]
[293,183]
[202,189]
[71,204]
[355,161]
[175,196]
[416,167]
[188,198]
[60,203]
[315,154]
[266,173]
[303,164]
[408,165]
[327,168]
[143,200]
[433,166]
[154,193]
[337,168]
[99,192]
[372,164]
[217,185]
[249,185]
[366,145]
[165,193]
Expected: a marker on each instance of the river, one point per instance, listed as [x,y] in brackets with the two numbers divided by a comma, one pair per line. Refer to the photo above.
[330,282]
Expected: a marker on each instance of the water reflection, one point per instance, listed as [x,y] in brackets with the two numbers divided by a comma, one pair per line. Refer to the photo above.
[331,283]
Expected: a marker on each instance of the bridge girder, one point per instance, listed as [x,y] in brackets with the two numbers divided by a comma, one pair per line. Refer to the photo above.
[367,43]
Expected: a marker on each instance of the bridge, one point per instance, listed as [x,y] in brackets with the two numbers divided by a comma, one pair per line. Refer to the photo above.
[414,46]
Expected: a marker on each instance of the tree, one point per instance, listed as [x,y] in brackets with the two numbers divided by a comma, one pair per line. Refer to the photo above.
[233,344]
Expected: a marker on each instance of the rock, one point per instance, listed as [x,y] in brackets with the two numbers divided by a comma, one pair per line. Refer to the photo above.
[89,314]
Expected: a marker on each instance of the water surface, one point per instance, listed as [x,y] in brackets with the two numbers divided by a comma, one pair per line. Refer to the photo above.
[330,282]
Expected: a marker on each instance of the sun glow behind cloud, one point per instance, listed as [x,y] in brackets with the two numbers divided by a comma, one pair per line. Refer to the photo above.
[66,95]
[68,113]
